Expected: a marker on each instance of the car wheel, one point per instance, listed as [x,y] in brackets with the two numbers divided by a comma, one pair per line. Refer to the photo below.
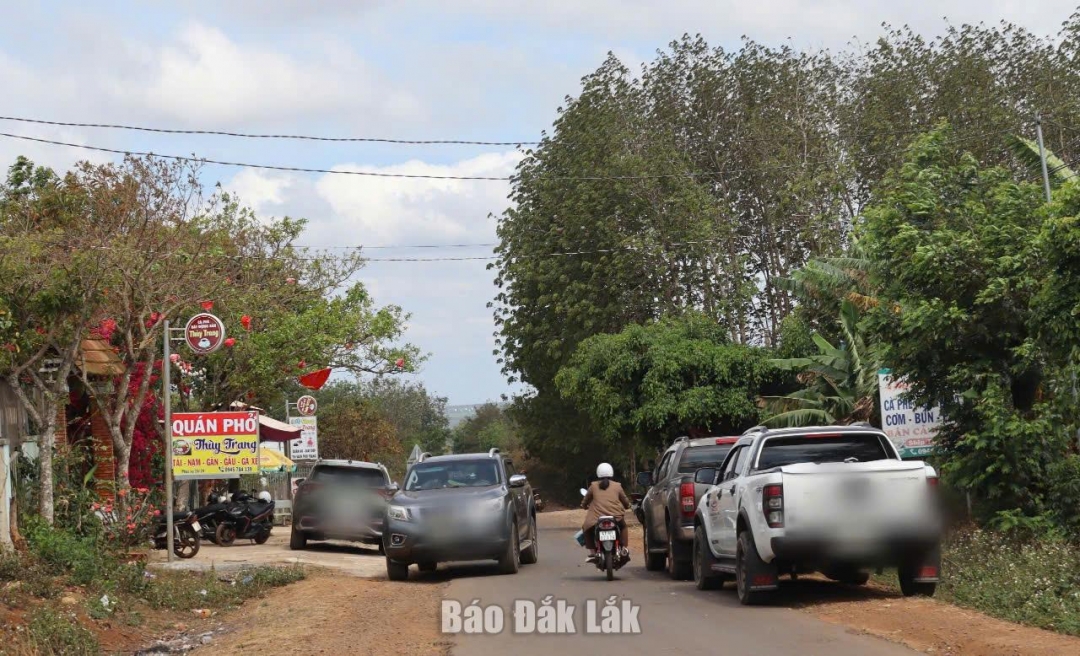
[747,563]
[297,540]
[226,535]
[704,577]
[396,571]
[909,572]
[532,554]
[428,568]
[677,569]
[654,562]
[510,561]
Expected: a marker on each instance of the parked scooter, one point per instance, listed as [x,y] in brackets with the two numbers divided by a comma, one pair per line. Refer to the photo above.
[186,531]
[611,554]
[247,518]
[211,515]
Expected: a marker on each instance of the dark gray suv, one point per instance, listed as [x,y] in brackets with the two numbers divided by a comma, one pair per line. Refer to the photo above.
[460,508]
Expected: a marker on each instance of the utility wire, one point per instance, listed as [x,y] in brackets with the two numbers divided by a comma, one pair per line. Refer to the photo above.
[246,135]
[376,174]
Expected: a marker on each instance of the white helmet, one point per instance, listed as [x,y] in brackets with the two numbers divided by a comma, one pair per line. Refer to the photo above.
[265,496]
[605,471]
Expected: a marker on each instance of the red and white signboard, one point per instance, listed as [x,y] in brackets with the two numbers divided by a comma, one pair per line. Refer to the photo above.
[306,447]
[307,405]
[204,333]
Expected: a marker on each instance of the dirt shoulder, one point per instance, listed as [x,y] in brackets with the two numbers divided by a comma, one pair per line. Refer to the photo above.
[935,627]
[328,613]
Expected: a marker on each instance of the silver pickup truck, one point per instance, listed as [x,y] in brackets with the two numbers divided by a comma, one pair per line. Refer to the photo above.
[667,510]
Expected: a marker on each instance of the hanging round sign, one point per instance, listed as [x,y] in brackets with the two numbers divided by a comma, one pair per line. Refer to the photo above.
[204,333]
[306,405]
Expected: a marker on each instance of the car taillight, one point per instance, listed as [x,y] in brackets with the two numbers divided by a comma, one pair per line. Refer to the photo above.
[686,499]
[932,481]
[772,504]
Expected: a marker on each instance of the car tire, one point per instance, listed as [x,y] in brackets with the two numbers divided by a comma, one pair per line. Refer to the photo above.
[704,577]
[909,572]
[428,568]
[510,561]
[679,570]
[531,555]
[297,540]
[396,571]
[747,562]
[654,562]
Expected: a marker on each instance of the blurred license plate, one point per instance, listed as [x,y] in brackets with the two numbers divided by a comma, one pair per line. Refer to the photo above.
[196,526]
[607,536]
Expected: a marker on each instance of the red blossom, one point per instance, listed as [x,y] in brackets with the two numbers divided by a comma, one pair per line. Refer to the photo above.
[245,321]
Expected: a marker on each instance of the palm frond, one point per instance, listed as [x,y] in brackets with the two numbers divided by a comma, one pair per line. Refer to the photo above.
[1027,151]
[803,417]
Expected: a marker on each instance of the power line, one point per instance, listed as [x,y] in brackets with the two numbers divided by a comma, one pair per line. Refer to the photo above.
[375,174]
[247,135]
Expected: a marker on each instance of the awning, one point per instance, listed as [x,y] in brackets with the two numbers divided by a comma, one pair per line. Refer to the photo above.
[275,461]
[272,430]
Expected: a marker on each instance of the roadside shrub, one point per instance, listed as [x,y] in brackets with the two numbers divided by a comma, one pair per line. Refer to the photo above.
[1035,582]
[1064,495]
[187,591]
[51,632]
[86,559]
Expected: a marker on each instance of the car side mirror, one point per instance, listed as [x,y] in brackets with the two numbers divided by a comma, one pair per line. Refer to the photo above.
[393,487]
[706,476]
[518,480]
[645,479]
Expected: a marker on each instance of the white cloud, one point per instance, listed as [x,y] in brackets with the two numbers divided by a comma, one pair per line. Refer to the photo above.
[396,210]
[205,77]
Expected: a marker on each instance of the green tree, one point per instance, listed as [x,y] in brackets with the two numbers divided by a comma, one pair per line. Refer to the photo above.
[957,258]
[681,375]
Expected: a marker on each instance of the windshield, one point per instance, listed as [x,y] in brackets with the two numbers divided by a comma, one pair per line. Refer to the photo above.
[360,476]
[698,457]
[856,447]
[465,473]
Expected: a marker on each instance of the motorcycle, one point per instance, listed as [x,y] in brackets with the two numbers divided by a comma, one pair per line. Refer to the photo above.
[611,554]
[635,506]
[186,531]
[538,503]
[248,518]
[211,515]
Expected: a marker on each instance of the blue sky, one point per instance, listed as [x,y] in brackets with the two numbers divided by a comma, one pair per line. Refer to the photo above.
[491,70]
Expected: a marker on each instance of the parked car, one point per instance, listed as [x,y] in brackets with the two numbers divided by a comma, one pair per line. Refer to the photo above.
[836,500]
[341,500]
[667,510]
[460,508]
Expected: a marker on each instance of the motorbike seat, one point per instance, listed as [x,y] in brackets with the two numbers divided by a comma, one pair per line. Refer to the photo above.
[259,507]
[180,515]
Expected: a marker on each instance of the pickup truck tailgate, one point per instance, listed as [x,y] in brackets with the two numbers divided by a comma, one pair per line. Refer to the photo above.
[863,500]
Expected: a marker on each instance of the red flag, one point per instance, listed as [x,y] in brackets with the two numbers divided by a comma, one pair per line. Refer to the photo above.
[316,379]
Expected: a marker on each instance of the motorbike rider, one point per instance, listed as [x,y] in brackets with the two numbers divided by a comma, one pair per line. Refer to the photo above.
[604,497]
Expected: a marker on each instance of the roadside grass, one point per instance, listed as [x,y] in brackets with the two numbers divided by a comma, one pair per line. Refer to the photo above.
[1034,582]
[65,585]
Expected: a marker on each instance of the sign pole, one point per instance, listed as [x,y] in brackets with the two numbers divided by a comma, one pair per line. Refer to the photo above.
[167,383]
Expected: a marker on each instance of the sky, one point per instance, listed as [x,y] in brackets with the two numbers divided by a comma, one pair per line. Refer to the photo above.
[485,70]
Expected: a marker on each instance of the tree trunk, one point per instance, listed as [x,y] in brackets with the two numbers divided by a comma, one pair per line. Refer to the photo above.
[122,461]
[46,441]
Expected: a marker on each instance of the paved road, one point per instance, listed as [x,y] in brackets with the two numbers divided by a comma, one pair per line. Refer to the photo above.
[675,618]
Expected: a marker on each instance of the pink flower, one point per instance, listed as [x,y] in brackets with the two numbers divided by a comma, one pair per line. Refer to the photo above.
[157,513]
[174,358]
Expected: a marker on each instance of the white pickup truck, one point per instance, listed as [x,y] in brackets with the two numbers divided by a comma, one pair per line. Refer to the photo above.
[835,499]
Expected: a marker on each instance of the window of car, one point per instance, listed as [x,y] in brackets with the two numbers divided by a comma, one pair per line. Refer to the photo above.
[361,476]
[665,464]
[734,464]
[842,447]
[698,457]
[462,473]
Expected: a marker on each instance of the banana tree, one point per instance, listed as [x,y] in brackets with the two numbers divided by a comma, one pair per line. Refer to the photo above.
[1027,151]
[840,382]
